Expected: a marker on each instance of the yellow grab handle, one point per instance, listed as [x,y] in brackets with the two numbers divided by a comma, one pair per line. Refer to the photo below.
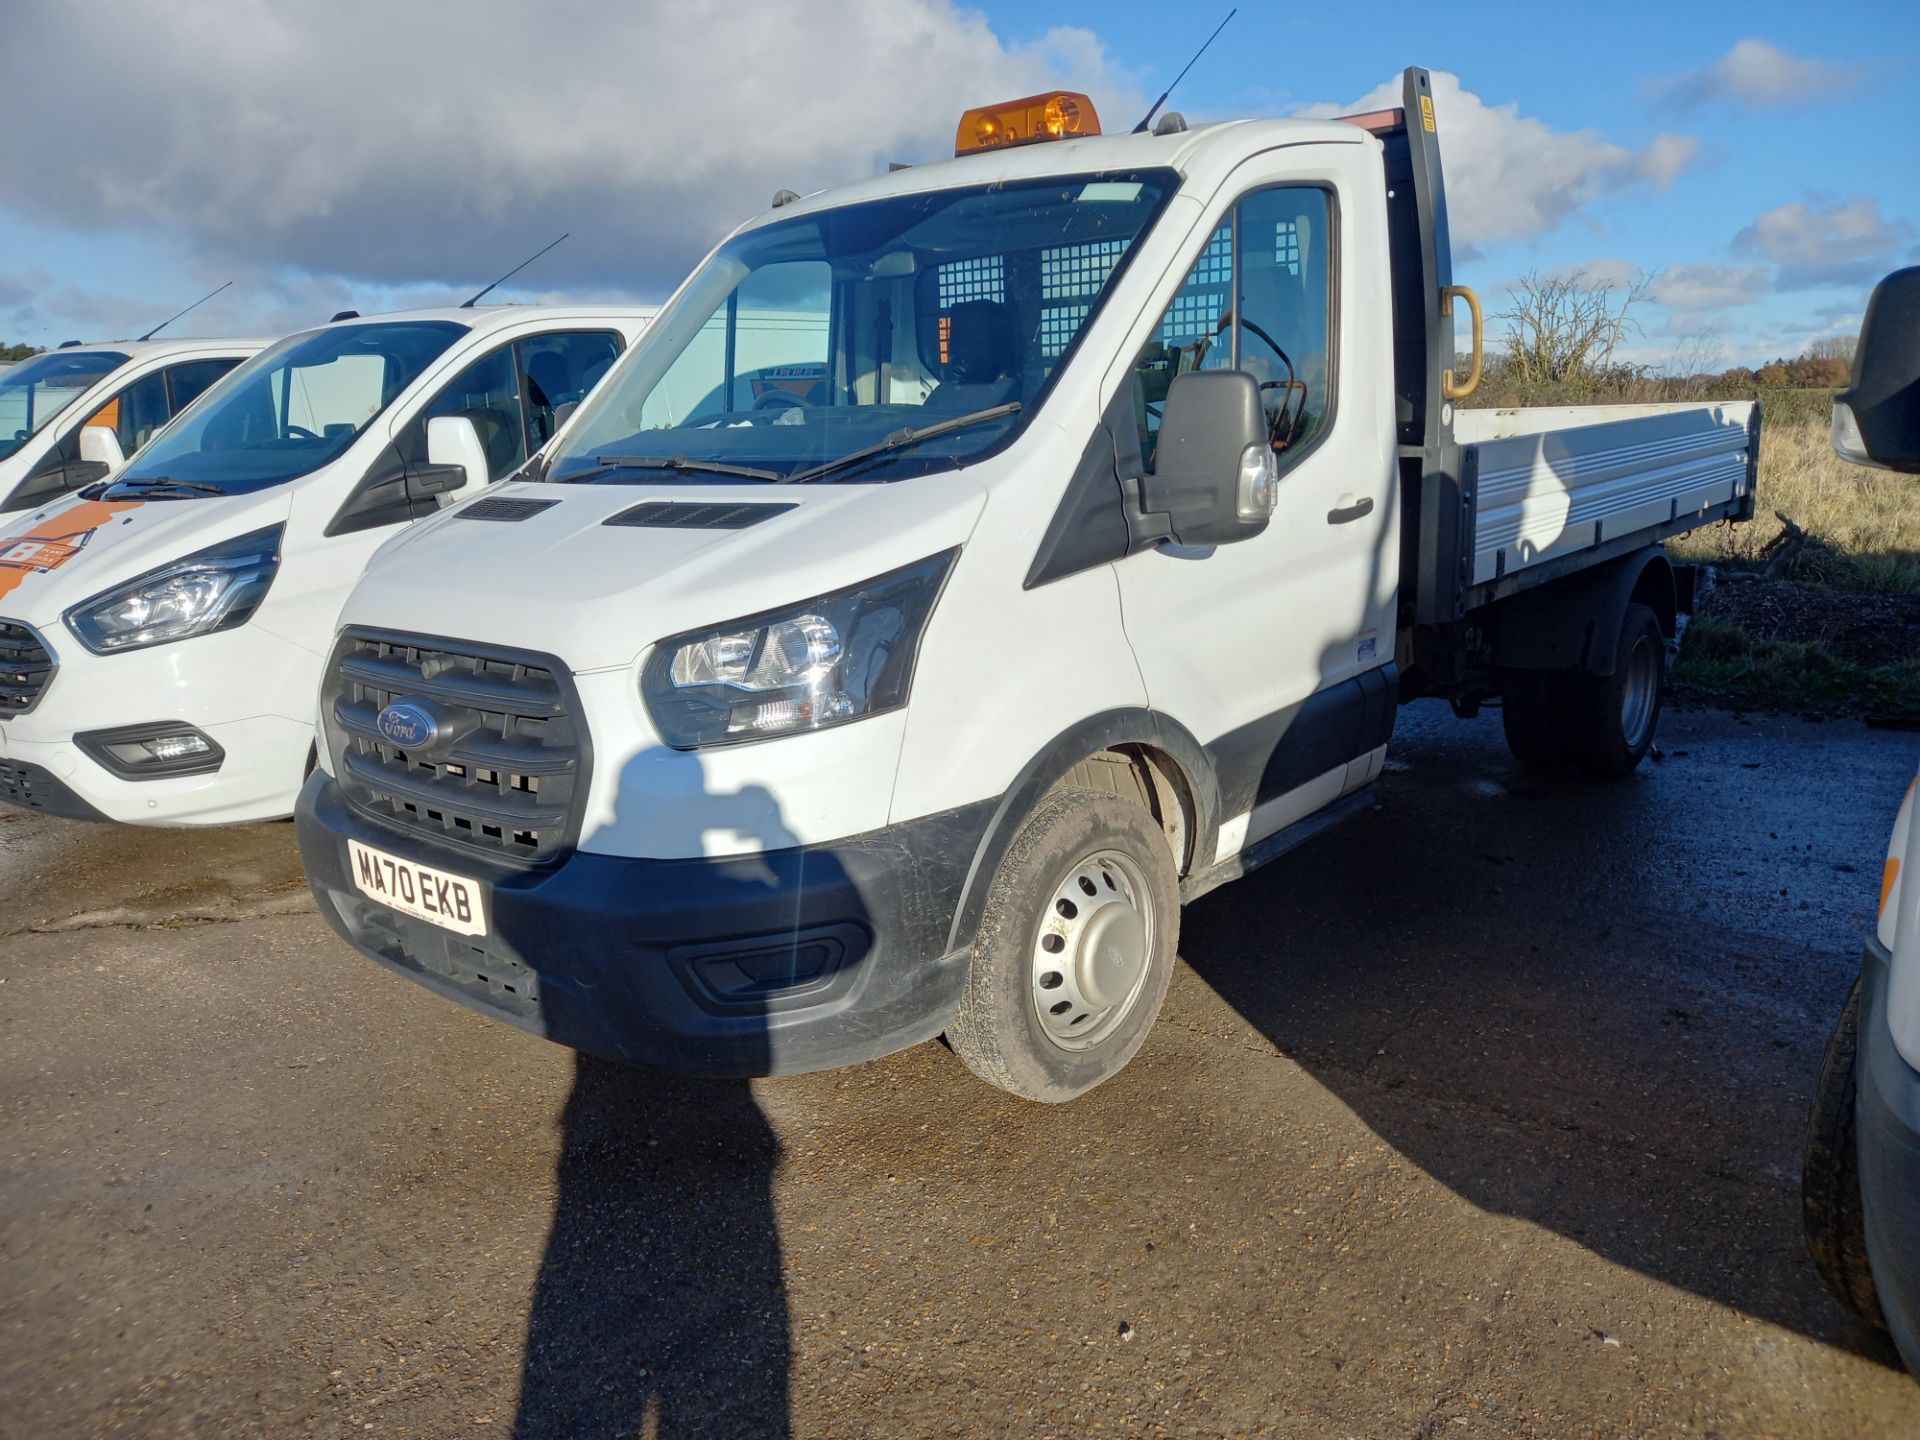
[1449,387]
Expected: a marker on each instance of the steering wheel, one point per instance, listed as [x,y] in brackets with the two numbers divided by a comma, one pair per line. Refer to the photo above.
[300,432]
[780,400]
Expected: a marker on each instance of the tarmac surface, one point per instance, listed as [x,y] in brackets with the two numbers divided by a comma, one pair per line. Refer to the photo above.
[1479,1115]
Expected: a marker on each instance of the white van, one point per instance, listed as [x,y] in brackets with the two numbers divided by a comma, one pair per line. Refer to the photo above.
[72,416]
[161,636]
[1125,501]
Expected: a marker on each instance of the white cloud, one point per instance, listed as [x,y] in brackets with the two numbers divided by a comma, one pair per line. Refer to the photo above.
[1708,287]
[1756,73]
[389,143]
[1510,175]
[1844,244]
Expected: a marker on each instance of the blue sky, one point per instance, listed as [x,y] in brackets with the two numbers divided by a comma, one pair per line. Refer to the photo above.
[1753,160]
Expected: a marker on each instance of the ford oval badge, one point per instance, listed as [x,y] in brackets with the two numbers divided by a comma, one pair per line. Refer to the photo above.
[407,725]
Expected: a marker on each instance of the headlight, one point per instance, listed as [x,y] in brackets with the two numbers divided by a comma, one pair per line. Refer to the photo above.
[213,590]
[825,661]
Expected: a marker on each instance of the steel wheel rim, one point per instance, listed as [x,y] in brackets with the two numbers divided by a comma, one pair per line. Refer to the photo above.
[1639,692]
[1093,950]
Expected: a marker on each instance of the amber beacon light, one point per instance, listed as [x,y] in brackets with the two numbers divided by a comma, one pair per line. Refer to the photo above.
[1058,115]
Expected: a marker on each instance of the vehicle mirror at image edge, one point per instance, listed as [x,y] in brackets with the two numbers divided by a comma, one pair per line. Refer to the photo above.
[821,662]
[100,446]
[453,447]
[216,589]
[1876,421]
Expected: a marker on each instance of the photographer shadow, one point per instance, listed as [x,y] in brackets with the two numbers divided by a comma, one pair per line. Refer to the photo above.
[660,1308]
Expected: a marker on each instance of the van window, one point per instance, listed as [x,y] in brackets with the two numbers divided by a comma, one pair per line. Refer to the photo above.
[1281,241]
[487,392]
[803,341]
[136,412]
[559,369]
[296,406]
[190,379]
[34,391]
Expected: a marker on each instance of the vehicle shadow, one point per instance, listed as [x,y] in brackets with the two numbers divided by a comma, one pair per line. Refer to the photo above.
[660,1308]
[1515,983]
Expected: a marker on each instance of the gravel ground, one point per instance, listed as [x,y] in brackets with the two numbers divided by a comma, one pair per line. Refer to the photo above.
[1478,1116]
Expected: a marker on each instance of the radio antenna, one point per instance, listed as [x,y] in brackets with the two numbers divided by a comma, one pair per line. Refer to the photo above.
[1141,128]
[511,273]
[171,318]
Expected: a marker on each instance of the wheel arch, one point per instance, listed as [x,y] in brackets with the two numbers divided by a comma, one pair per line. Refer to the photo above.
[1574,624]
[1173,772]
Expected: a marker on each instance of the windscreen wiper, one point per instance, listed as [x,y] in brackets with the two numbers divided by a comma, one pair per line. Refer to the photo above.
[681,462]
[902,439]
[162,482]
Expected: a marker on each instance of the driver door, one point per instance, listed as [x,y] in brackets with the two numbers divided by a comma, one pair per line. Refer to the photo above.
[1276,651]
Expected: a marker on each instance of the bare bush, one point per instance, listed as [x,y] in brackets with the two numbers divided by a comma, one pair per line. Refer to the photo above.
[1566,328]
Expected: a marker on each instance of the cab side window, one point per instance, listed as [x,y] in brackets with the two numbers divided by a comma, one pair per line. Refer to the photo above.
[190,379]
[558,370]
[1276,324]
[136,412]
[487,392]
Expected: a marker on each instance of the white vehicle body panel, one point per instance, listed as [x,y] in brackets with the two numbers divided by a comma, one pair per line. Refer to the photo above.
[249,688]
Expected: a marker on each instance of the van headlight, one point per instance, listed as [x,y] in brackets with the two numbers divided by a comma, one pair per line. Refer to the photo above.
[216,589]
[822,662]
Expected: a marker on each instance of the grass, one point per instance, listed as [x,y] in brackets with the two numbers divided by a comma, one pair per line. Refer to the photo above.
[1724,663]
[1864,525]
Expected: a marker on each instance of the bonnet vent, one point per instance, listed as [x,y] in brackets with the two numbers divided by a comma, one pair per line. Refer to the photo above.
[698,515]
[504,509]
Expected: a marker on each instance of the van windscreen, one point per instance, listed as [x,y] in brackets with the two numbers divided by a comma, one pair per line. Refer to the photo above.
[810,342]
[292,408]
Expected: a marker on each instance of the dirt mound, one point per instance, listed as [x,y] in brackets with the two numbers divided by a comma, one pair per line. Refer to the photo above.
[1864,629]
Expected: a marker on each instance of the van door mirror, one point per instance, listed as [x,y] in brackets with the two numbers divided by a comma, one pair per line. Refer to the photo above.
[1214,476]
[1877,420]
[100,455]
[455,457]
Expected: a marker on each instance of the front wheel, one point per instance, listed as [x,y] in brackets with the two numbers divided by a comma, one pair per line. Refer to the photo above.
[1830,1210]
[1075,948]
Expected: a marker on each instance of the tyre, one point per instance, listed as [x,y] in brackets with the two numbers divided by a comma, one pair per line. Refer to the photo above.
[1830,1176]
[1601,725]
[1075,948]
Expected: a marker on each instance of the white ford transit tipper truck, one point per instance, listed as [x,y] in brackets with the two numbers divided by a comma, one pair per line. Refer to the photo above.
[72,416]
[161,636]
[1129,504]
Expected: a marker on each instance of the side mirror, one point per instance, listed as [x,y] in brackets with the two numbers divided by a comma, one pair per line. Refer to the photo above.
[455,456]
[563,412]
[100,445]
[1877,420]
[1214,476]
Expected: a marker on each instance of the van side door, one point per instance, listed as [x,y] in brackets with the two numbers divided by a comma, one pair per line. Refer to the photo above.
[1276,651]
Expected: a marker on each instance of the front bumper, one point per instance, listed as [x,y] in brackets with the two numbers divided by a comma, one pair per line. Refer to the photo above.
[1888,1131]
[763,964]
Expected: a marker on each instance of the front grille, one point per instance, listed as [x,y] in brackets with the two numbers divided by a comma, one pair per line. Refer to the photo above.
[508,769]
[25,668]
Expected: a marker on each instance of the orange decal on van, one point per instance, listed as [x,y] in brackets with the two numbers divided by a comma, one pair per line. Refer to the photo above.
[54,541]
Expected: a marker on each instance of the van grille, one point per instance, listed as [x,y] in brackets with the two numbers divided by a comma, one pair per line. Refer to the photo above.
[507,770]
[25,668]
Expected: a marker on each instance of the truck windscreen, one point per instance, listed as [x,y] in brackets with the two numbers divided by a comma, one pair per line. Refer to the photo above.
[36,390]
[812,341]
[292,408]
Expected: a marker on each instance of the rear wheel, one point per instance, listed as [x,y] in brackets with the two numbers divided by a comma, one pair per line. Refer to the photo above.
[1598,724]
[1075,948]
[1830,1176]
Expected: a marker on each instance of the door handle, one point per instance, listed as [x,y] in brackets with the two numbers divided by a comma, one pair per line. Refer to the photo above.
[1350,510]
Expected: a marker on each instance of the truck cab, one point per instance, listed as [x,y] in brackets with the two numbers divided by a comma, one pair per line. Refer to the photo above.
[162,632]
[72,416]
[1080,569]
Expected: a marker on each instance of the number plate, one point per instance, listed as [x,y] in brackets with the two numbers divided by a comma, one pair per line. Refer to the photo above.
[449,901]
